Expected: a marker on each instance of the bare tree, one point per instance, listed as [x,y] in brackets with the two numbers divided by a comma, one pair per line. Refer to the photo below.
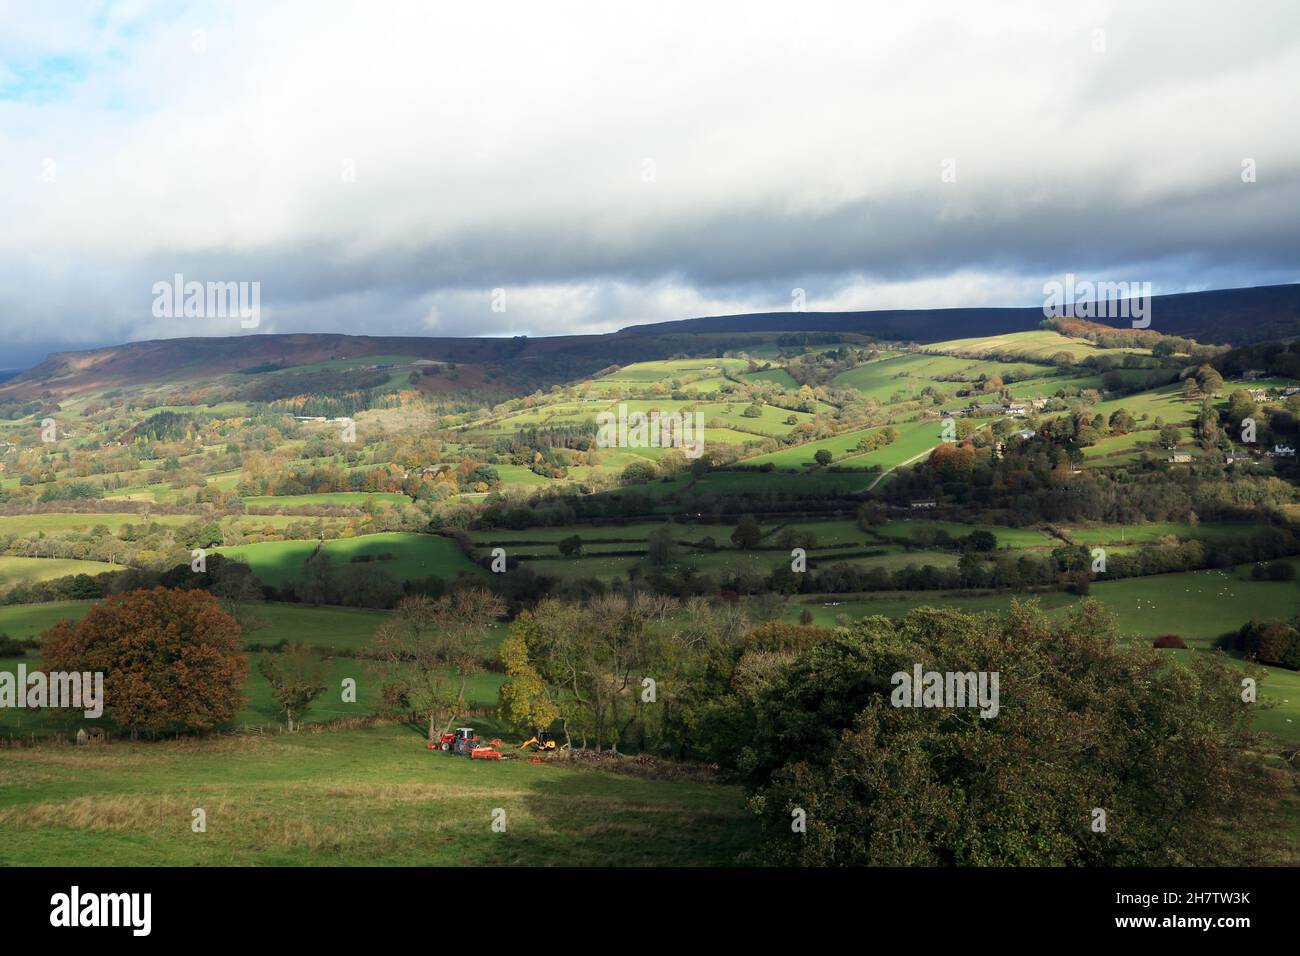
[427,650]
[657,606]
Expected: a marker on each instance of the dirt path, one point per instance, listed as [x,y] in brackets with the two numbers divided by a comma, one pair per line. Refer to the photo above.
[901,464]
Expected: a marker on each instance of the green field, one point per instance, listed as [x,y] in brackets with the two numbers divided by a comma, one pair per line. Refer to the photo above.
[727,561]
[260,709]
[1166,403]
[55,522]
[1196,605]
[521,475]
[771,421]
[712,437]
[25,621]
[802,455]
[827,532]
[1040,343]
[1152,533]
[1048,385]
[1279,697]
[15,570]
[361,797]
[725,425]
[329,498]
[684,370]
[335,627]
[623,535]
[908,373]
[415,556]
[1120,444]
[903,529]
[778,375]
[634,531]
[915,439]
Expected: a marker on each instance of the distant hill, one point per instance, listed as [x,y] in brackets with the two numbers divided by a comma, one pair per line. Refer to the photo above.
[529,362]
[520,364]
[1222,316]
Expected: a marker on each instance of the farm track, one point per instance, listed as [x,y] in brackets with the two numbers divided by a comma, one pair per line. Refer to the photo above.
[901,464]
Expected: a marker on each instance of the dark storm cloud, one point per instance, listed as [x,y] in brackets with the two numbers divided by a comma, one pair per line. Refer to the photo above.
[611,167]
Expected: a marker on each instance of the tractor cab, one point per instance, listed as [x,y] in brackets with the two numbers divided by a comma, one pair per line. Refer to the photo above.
[461,741]
[464,742]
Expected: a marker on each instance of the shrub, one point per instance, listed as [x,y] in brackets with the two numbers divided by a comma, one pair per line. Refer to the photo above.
[746,535]
[1273,571]
[1269,642]
[13,647]
[1169,640]
[638,473]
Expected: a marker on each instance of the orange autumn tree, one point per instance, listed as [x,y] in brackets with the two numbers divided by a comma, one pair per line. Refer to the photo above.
[171,659]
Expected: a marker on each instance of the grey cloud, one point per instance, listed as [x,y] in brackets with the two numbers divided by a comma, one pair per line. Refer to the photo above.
[788,154]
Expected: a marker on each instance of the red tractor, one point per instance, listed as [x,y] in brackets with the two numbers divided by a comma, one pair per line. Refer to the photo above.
[465,743]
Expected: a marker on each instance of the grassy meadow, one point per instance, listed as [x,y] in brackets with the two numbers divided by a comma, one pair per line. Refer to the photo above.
[361,797]
[413,556]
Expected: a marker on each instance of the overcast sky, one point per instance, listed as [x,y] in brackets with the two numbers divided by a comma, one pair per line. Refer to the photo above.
[382,168]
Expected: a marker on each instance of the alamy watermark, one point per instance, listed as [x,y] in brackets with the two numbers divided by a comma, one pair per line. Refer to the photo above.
[129,910]
[71,690]
[1084,299]
[949,689]
[684,430]
[178,299]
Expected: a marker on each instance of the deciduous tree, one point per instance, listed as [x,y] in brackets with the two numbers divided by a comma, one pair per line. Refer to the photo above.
[297,677]
[428,649]
[1082,723]
[171,658]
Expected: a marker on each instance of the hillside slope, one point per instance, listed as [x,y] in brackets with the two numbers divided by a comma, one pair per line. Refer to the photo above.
[1221,316]
[1232,316]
